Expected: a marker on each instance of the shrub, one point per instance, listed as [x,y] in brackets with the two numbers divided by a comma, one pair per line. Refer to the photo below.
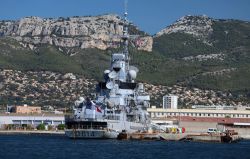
[61,127]
[50,127]
[41,127]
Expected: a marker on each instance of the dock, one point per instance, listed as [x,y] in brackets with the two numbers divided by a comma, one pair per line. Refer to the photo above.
[173,137]
[139,136]
[228,136]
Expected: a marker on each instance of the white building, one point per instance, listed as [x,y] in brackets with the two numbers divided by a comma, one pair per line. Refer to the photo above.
[230,114]
[170,102]
[35,120]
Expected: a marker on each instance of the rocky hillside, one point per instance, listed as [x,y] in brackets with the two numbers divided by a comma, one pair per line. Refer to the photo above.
[53,90]
[82,32]
[198,26]
[202,35]
[200,59]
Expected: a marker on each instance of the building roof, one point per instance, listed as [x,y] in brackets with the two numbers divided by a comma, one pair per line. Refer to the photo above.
[197,111]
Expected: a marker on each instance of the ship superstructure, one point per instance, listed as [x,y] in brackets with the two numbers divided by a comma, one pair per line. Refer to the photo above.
[120,102]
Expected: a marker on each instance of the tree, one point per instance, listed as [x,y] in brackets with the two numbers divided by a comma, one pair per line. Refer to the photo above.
[61,127]
[41,127]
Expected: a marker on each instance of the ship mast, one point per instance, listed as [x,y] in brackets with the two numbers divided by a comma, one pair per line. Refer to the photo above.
[125,37]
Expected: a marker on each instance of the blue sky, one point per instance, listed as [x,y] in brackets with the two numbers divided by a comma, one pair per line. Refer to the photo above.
[150,15]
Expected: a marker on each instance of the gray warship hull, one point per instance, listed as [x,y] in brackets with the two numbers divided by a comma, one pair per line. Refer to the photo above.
[90,129]
[90,134]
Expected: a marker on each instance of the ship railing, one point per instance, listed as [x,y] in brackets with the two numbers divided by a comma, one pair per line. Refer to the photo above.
[96,127]
[93,118]
[85,117]
[112,117]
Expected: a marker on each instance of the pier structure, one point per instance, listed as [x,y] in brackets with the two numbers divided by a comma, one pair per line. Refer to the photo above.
[200,120]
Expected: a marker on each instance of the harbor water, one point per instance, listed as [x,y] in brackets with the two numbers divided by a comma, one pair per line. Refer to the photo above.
[53,147]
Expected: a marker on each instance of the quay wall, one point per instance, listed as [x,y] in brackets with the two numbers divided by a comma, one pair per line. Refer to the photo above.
[202,127]
[26,132]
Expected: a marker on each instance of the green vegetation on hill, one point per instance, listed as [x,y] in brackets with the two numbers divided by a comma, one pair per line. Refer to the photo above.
[157,69]
[230,34]
[13,56]
[89,62]
[230,72]
[179,45]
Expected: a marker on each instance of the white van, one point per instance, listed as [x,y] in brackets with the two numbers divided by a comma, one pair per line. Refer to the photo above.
[212,130]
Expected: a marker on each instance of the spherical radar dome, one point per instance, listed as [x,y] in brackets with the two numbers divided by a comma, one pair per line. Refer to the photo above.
[132,74]
[106,72]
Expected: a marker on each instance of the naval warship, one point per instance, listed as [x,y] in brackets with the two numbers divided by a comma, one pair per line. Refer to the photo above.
[120,104]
